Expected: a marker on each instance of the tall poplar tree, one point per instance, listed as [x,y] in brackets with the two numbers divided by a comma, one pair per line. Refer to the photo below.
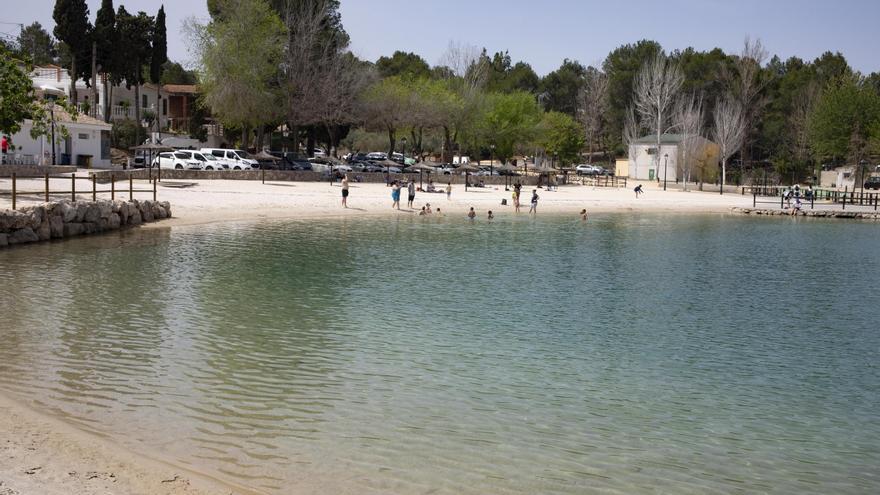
[158,58]
[107,40]
[72,28]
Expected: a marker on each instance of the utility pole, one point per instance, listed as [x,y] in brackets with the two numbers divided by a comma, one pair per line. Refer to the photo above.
[93,109]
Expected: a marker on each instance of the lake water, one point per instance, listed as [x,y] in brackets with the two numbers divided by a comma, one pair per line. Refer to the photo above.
[635,354]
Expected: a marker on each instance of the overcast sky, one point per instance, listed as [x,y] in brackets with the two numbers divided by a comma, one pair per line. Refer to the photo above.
[545,32]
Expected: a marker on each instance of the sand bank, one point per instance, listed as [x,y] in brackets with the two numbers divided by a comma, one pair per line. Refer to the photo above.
[42,455]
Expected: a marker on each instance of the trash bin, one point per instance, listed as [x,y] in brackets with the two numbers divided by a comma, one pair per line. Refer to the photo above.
[65,159]
[84,161]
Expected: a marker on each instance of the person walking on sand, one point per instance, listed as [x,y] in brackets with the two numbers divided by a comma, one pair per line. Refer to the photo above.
[472,214]
[448,191]
[584,215]
[411,189]
[638,190]
[534,207]
[395,195]
[345,191]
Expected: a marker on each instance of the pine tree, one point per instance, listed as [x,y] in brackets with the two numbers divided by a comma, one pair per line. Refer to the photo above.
[107,39]
[158,58]
[72,28]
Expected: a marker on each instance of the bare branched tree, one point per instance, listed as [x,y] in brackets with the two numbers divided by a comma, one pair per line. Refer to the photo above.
[730,126]
[592,105]
[632,131]
[746,83]
[799,121]
[689,115]
[656,87]
[467,76]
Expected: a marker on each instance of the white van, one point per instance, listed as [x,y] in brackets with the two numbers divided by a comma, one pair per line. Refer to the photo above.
[207,160]
[237,159]
[176,160]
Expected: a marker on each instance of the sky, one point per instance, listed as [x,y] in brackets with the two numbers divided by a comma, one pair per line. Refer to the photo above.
[545,32]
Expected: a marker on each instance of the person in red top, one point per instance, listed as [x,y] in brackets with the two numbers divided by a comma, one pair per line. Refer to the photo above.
[4,146]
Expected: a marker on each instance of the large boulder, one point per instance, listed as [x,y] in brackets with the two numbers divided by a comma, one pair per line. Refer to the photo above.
[4,240]
[135,218]
[68,212]
[21,236]
[56,226]
[105,208]
[44,231]
[81,208]
[167,206]
[93,213]
[73,229]
[89,227]
[113,222]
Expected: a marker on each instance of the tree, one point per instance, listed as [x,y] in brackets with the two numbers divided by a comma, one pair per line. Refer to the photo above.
[384,107]
[622,66]
[467,73]
[37,45]
[560,135]
[174,73]
[688,113]
[511,120]
[107,44]
[845,120]
[239,53]
[592,105]
[503,77]
[562,87]
[159,56]
[407,65]
[656,88]
[72,28]
[747,83]
[134,42]
[728,131]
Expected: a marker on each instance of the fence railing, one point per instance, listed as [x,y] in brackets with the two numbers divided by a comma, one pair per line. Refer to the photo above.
[824,197]
[602,180]
[47,192]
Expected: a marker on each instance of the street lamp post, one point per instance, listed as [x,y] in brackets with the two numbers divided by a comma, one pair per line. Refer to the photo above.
[52,116]
[665,166]
[862,178]
[491,159]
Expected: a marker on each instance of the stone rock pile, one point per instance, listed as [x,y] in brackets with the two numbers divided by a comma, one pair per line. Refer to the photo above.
[61,219]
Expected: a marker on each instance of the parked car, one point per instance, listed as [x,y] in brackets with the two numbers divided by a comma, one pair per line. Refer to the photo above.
[585,169]
[177,160]
[207,160]
[377,155]
[872,183]
[237,159]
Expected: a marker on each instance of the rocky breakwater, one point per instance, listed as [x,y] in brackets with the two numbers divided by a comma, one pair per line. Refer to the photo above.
[62,219]
[863,215]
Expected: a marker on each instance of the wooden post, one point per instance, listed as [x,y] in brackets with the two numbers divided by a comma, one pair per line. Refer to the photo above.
[112,187]
[130,187]
[94,187]
[754,199]
[844,197]
[154,190]
[73,187]
[13,190]
[263,174]
[47,187]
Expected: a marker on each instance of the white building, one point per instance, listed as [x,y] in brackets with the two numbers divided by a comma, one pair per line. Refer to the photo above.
[644,150]
[88,142]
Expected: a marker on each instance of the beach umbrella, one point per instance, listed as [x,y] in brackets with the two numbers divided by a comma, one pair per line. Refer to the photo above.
[467,168]
[506,168]
[421,167]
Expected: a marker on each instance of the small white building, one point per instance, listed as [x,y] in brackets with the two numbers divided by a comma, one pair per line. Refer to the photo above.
[644,150]
[88,142]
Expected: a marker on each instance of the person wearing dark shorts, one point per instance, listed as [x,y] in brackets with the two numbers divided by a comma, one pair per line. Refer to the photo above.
[638,190]
[411,190]
[345,191]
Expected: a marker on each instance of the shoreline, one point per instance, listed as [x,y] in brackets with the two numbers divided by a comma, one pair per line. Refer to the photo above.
[44,454]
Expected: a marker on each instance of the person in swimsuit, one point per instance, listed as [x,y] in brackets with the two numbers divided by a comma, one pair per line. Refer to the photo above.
[395,195]
[345,191]
[584,215]
[534,207]
[472,214]
[491,216]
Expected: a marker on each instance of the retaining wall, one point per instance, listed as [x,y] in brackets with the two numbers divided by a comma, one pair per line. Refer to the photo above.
[34,170]
[864,215]
[56,220]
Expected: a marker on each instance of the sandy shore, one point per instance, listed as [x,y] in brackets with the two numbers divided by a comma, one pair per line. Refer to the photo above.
[220,200]
[43,455]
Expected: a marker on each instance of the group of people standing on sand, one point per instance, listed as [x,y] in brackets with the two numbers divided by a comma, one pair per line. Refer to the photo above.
[396,186]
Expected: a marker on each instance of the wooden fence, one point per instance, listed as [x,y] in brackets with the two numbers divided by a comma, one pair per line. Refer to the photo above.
[47,192]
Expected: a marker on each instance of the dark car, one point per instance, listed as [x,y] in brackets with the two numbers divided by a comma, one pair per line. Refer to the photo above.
[291,161]
[872,183]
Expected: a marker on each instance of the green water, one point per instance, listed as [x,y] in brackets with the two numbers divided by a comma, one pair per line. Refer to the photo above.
[635,354]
